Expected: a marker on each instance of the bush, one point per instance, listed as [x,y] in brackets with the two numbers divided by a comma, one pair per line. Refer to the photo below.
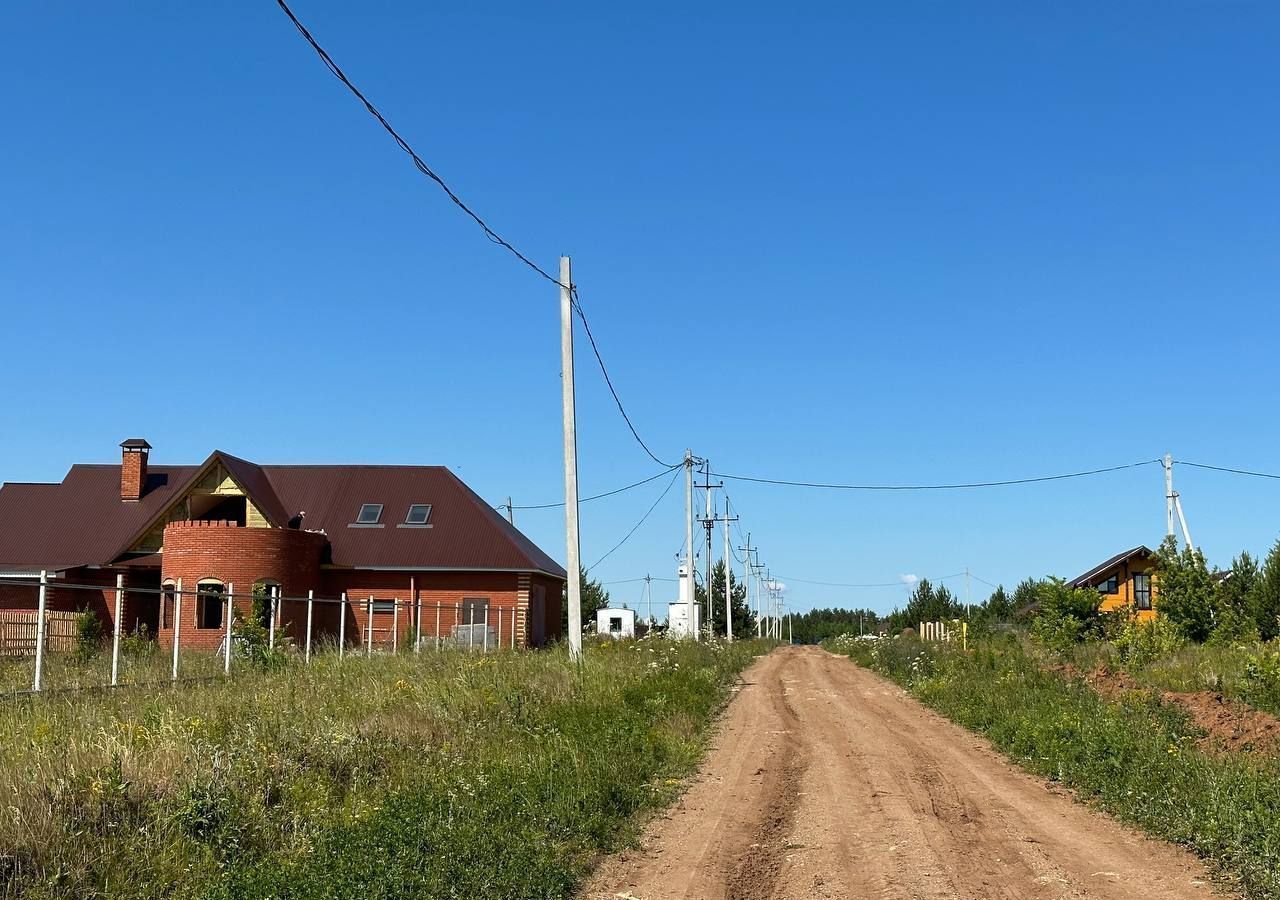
[89,633]
[1067,615]
[1140,643]
[1260,686]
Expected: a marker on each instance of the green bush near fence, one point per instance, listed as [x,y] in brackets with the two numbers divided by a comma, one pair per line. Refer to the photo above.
[442,775]
[1136,758]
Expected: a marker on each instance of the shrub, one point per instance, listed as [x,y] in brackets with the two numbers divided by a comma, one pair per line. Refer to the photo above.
[1140,643]
[1067,615]
[88,635]
[1260,686]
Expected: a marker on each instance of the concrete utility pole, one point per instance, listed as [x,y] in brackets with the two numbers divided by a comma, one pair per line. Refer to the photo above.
[967,611]
[511,512]
[709,523]
[688,540]
[573,562]
[648,595]
[728,572]
[746,576]
[1168,494]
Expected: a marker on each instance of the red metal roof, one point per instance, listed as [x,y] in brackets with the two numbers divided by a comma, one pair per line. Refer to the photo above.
[83,521]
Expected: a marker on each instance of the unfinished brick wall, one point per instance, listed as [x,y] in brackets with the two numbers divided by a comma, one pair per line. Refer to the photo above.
[237,556]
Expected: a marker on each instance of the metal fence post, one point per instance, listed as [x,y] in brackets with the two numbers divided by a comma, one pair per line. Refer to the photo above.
[177,625]
[485,649]
[342,626]
[273,593]
[471,626]
[36,684]
[231,614]
[395,626]
[499,635]
[513,628]
[437,625]
[417,602]
[368,628]
[311,596]
[115,641]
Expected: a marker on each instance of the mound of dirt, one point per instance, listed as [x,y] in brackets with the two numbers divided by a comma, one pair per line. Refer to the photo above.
[1229,725]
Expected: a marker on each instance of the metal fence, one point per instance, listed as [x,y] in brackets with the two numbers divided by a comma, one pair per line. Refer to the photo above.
[260,622]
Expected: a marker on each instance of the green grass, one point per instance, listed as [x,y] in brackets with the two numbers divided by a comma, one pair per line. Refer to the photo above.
[444,775]
[1136,759]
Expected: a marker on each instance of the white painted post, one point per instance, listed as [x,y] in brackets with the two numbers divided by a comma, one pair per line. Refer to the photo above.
[486,628]
[342,626]
[437,625]
[499,636]
[368,627]
[311,601]
[115,641]
[417,617]
[471,627]
[37,684]
[513,628]
[177,625]
[569,416]
[231,614]
[395,626]
[273,593]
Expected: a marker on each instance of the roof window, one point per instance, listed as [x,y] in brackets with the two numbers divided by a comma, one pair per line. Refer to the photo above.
[370,513]
[419,513]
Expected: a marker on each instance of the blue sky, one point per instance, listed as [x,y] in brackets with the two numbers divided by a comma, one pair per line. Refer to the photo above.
[845,242]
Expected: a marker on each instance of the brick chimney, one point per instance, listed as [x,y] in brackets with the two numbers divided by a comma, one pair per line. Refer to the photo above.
[133,468]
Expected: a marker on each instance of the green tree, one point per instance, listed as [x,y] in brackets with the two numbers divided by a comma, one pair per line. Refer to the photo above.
[594,596]
[997,608]
[744,620]
[926,604]
[1026,598]
[1266,604]
[1066,615]
[818,625]
[1188,593]
[1237,602]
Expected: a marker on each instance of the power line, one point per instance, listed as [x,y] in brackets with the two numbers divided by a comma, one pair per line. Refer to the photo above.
[636,526]
[932,487]
[404,145]
[596,496]
[881,584]
[1183,462]
[609,381]
[492,235]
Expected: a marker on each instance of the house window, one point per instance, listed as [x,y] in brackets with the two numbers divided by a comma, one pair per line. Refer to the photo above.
[419,513]
[1110,586]
[168,593]
[615,624]
[384,606]
[475,610]
[369,514]
[209,602]
[1142,590]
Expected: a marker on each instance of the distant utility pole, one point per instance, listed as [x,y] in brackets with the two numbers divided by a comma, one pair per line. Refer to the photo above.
[692,603]
[709,523]
[511,513]
[728,594]
[1173,503]
[746,575]
[573,554]
[648,593]
[967,612]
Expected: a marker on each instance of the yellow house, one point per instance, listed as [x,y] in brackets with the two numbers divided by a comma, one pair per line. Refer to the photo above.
[1126,580]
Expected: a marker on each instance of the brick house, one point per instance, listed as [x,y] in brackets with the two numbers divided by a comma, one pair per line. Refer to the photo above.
[397,540]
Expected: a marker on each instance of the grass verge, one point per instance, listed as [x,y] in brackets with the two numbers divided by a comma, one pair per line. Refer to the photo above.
[1135,758]
[444,775]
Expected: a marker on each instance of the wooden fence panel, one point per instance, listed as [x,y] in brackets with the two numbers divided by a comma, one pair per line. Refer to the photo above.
[18,632]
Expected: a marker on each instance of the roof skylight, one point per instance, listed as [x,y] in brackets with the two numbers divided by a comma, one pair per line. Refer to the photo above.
[370,513]
[419,513]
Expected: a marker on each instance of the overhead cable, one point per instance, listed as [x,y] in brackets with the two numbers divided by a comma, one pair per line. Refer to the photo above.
[931,487]
[636,526]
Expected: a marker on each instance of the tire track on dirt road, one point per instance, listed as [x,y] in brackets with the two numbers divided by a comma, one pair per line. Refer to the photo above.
[827,781]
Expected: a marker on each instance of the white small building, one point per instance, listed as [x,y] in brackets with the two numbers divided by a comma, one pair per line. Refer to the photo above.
[616,623]
[678,613]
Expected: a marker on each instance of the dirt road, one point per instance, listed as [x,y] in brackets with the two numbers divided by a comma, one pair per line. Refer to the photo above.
[828,781]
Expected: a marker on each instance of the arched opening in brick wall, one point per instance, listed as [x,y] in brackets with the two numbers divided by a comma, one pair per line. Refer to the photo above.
[210,604]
